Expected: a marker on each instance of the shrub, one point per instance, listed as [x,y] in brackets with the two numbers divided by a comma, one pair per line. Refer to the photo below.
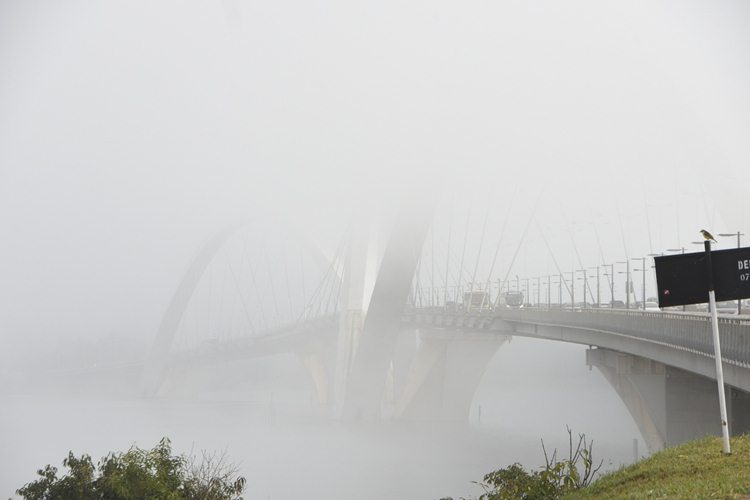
[555,479]
[138,474]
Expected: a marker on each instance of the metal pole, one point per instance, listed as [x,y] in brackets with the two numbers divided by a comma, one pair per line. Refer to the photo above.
[684,307]
[585,286]
[643,289]
[627,284]
[598,297]
[717,350]
[528,292]
[538,291]
[573,290]
[559,291]
[612,285]
[549,290]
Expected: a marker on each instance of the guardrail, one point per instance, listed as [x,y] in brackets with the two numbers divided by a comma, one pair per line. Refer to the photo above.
[682,330]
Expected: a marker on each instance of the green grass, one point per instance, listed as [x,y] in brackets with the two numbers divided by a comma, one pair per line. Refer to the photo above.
[694,470]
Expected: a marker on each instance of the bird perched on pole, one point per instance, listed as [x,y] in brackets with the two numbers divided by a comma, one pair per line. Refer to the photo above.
[708,236]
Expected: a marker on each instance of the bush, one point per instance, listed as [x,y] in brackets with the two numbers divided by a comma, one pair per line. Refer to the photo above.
[554,480]
[138,474]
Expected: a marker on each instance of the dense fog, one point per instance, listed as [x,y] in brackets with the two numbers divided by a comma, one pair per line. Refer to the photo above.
[544,137]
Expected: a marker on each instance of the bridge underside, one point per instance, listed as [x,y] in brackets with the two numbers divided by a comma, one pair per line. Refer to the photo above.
[669,405]
[688,360]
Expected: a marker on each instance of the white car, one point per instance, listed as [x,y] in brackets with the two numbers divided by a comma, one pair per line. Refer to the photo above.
[652,306]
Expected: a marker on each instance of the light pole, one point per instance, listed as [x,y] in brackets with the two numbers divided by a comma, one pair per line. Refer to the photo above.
[643,268]
[739,301]
[653,268]
[627,282]
[528,292]
[611,277]
[585,283]
[573,290]
[598,297]
[549,290]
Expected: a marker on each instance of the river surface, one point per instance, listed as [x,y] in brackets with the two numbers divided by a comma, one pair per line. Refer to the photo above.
[532,389]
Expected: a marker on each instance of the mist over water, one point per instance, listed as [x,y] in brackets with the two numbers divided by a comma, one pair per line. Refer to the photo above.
[287,449]
[548,138]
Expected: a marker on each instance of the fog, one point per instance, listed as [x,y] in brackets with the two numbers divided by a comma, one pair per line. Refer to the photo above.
[560,136]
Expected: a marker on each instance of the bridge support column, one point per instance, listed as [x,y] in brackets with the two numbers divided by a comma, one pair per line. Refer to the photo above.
[372,362]
[444,374]
[353,308]
[669,405]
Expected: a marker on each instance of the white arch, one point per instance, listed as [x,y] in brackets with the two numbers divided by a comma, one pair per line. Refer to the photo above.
[155,365]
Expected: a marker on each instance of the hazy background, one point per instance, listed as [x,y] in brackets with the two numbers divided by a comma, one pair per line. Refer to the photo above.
[130,132]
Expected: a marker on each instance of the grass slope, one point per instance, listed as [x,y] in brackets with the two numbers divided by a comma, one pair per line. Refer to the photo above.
[694,470]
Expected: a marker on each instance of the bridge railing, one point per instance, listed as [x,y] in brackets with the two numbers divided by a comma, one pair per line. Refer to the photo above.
[681,330]
[689,331]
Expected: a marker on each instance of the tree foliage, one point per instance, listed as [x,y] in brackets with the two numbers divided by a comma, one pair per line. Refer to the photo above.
[139,474]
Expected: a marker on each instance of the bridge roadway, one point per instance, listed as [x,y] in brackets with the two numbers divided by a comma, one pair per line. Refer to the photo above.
[681,340]
[678,339]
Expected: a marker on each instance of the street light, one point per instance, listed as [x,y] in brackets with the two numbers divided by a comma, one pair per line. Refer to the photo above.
[528,291]
[549,290]
[585,285]
[739,301]
[611,277]
[538,290]
[643,268]
[573,290]
[627,282]
[598,297]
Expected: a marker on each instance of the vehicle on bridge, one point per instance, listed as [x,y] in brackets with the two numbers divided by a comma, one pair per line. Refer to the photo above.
[511,299]
[477,301]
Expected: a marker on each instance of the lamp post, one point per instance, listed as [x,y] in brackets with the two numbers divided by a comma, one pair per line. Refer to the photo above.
[585,285]
[627,282]
[653,269]
[643,268]
[598,297]
[611,277]
[538,291]
[528,291]
[739,301]
[549,290]
[573,290]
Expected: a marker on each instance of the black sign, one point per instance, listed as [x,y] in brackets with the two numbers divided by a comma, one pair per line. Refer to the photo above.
[683,279]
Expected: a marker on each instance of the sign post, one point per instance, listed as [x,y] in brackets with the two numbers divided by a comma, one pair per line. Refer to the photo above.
[687,279]
[717,349]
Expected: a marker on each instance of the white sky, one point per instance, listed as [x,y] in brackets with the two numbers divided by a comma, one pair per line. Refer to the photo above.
[130,131]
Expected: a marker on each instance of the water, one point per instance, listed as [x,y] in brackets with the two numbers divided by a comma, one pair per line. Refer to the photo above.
[287,450]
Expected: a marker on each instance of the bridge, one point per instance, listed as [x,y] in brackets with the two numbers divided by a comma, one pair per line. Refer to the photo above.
[399,356]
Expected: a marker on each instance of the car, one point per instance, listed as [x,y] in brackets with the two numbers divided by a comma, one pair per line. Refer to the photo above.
[652,306]
[726,307]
